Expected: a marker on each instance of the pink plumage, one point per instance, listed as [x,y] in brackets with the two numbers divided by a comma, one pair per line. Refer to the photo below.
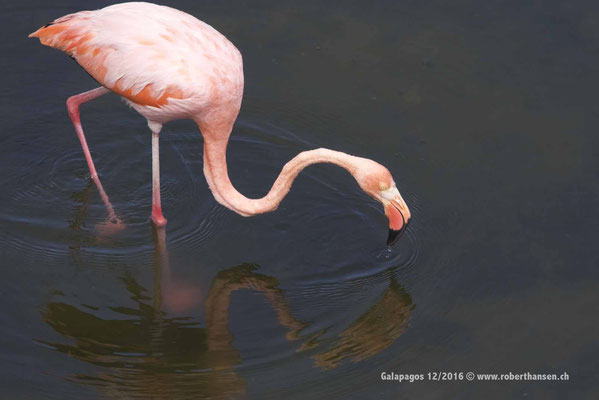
[154,56]
[169,65]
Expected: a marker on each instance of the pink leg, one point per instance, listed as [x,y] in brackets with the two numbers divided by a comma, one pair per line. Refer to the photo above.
[157,216]
[73,103]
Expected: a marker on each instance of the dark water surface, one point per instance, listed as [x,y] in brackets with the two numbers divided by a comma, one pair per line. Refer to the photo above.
[486,114]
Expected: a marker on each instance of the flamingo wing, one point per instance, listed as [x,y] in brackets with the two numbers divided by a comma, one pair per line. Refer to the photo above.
[145,52]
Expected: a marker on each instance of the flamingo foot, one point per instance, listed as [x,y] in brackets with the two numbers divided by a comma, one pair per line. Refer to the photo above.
[157,217]
[110,227]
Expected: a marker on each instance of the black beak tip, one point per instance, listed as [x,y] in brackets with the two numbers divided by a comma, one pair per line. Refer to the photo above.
[395,235]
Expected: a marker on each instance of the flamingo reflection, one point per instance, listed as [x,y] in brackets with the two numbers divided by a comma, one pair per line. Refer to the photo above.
[147,352]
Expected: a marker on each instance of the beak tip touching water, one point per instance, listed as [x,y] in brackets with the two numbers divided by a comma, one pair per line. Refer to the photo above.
[394,235]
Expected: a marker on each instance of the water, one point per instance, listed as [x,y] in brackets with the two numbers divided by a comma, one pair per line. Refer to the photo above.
[485,113]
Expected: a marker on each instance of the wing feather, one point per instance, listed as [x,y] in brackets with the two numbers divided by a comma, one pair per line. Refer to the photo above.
[145,52]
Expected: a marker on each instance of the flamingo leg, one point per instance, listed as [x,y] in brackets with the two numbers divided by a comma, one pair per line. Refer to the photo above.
[73,103]
[157,216]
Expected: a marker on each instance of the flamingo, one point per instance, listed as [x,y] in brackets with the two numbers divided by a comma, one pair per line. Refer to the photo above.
[168,65]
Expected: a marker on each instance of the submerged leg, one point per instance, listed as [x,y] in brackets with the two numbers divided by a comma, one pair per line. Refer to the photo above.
[157,216]
[73,103]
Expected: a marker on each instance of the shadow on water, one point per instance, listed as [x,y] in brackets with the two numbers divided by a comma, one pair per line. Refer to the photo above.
[147,353]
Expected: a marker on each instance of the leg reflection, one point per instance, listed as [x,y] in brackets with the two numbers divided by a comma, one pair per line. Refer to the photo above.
[170,294]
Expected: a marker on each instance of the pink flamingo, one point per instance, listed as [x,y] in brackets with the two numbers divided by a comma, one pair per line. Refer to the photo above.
[168,65]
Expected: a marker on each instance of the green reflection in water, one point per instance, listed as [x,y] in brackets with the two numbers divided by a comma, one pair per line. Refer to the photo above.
[151,355]
[374,331]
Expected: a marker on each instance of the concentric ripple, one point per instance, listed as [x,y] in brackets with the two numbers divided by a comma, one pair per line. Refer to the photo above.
[325,288]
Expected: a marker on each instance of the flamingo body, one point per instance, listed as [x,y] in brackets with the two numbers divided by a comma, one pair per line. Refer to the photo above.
[166,64]
[169,65]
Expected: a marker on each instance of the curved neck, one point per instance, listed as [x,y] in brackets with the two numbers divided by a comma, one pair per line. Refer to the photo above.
[215,170]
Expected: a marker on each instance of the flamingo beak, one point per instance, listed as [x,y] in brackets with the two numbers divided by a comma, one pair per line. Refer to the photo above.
[398,213]
[395,235]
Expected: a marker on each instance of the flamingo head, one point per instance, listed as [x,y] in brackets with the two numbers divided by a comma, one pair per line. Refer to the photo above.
[377,182]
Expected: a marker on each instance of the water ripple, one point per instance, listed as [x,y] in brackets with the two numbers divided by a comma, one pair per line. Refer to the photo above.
[333,305]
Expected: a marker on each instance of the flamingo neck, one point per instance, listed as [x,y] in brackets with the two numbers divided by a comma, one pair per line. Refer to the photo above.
[215,170]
